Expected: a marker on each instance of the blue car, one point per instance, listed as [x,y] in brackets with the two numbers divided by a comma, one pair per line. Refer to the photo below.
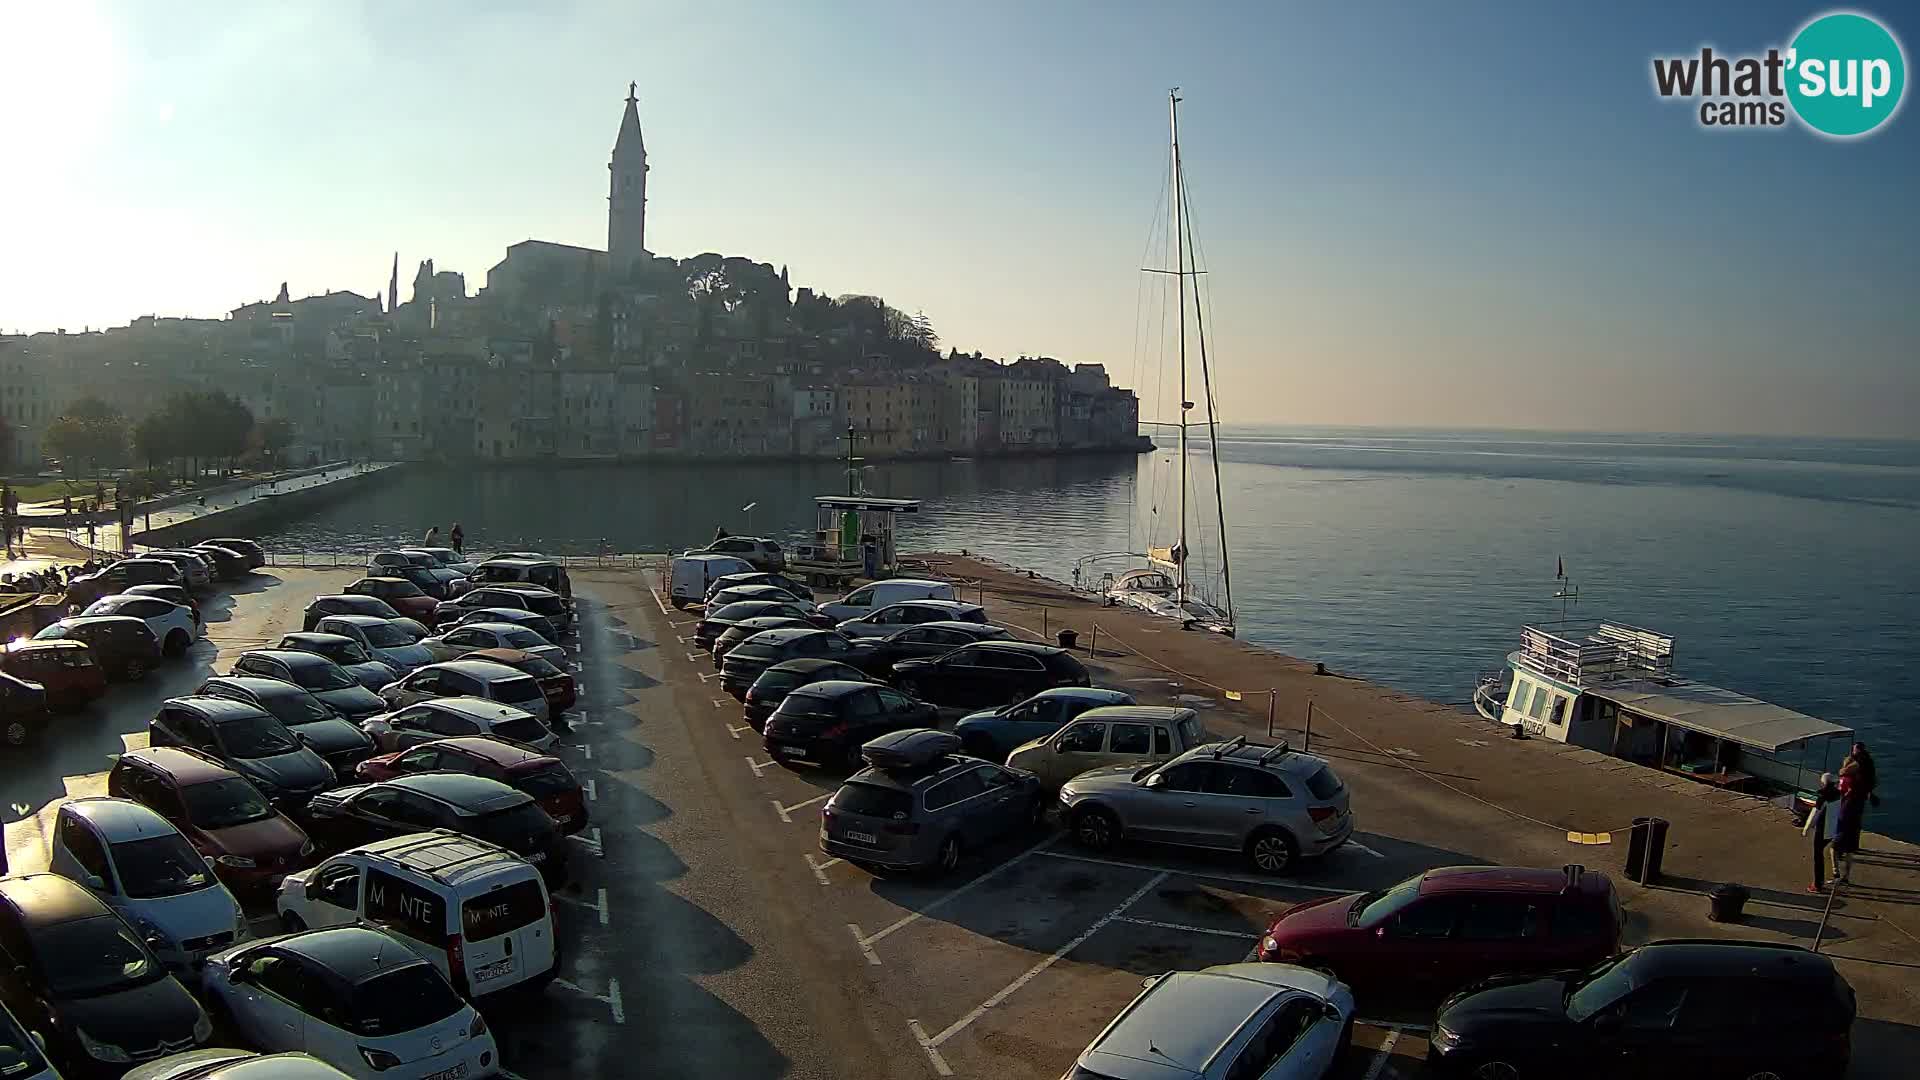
[993,733]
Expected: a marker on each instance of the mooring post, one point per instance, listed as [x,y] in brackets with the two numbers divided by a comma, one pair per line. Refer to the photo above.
[1306,743]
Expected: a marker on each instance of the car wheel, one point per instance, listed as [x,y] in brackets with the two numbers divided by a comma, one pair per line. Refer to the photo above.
[1272,851]
[1494,1070]
[293,923]
[1766,1074]
[851,758]
[16,732]
[949,858]
[1037,810]
[177,643]
[134,670]
[1095,828]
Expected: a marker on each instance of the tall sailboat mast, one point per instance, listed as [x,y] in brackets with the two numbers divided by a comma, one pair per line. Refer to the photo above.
[1180,274]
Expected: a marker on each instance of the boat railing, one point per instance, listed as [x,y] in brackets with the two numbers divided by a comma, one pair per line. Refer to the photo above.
[1607,652]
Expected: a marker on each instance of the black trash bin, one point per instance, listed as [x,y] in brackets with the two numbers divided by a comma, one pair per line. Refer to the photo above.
[1067,638]
[1646,847]
[1727,903]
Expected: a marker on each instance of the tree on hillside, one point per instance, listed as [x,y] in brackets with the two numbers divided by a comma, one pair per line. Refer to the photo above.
[274,435]
[90,435]
[155,440]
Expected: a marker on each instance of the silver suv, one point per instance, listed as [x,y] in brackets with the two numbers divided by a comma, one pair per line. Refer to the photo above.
[1270,803]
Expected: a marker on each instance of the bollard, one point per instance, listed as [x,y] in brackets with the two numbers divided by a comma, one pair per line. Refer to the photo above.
[1093,646]
[1271,698]
[1043,623]
[1306,741]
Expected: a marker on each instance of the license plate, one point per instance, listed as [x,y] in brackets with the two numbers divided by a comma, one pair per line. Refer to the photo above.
[795,751]
[862,837]
[535,857]
[493,970]
[563,819]
[456,1073]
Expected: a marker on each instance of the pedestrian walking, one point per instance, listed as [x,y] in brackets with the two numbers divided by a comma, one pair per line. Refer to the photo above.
[1858,777]
[459,538]
[1819,824]
[433,533]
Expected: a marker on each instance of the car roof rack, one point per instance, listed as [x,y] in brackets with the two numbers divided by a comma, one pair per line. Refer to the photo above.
[1278,751]
[1229,746]
[1574,871]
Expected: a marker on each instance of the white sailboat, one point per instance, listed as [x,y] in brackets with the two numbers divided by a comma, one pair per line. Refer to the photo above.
[1165,580]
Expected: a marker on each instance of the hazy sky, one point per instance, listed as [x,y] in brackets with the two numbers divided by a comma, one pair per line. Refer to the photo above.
[1420,214]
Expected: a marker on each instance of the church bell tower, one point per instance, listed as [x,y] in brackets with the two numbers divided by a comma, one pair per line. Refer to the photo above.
[627,197]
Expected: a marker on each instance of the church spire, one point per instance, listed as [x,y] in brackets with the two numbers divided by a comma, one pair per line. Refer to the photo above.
[627,191]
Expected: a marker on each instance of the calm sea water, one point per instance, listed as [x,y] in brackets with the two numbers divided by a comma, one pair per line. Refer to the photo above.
[1786,569]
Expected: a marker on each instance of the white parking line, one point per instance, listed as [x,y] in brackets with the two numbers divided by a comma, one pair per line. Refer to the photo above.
[599,905]
[586,751]
[1189,929]
[1381,1055]
[611,997]
[721,703]
[1007,991]
[693,658]
[660,602]
[920,1036]
[1205,875]
[592,843]
[785,812]
[941,901]
[705,675]
[757,766]
[820,869]
[1362,849]
[592,789]
[735,729]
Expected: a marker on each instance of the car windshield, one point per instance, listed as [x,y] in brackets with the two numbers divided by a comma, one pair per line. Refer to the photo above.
[321,677]
[222,804]
[522,638]
[1375,908]
[753,650]
[1602,985]
[547,780]
[521,828]
[386,636]
[255,737]
[873,800]
[404,999]
[538,668]
[160,866]
[511,691]
[373,605]
[94,956]
[295,709]
[1324,784]
[401,587]
[19,1054]
[776,682]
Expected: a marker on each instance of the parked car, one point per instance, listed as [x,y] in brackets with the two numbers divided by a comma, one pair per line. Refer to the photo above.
[21,1055]
[380,562]
[1440,930]
[87,588]
[248,740]
[469,805]
[228,564]
[314,673]
[448,559]
[226,1063]
[794,586]
[747,628]
[389,640]
[745,661]
[781,679]
[540,600]
[311,721]
[439,718]
[1269,803]
[537,623]
[716,621]
[483,596]
[1230,1022]
[23,710]
[402,595]
[173,594]
[873,596]
[906,613]
[149,874]
[353,657]
[918,804]
[757,551]
[64,669]
[517,765]
[355,998]
[690,576]
[926,641]
[435,582]
[469,678]
[484,635]
[989,673]
[172,624]
[477,912]
[1130,735]
[345,604]
[994,733]
[826,723]
[255,554]
[1714,1007]
[196,570]
[737,593]
[545,573]
[74,971]
[555,683]
[121,644]
[225,818]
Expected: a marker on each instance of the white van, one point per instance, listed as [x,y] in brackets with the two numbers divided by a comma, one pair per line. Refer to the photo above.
[477,912]
[693,573]
[872,597]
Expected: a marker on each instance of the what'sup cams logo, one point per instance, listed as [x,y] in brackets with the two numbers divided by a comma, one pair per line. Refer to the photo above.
[1843,76]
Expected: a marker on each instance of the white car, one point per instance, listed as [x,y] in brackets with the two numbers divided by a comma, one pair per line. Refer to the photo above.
[356,999]
[219,1063]
[140,865]
[1264,1021]
[467,637]
[389,640]
[173,625]
[448,717]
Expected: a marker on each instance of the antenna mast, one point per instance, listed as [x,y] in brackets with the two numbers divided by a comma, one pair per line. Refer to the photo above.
[1180,273]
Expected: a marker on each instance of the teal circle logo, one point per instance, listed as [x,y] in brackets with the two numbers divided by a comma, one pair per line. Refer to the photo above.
[1845,74]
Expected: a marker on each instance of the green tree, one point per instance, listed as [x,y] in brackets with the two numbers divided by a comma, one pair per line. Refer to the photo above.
[155,440]
[274,434]
[90,435]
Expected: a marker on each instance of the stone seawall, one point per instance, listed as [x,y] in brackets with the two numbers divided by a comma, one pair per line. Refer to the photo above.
[243,518]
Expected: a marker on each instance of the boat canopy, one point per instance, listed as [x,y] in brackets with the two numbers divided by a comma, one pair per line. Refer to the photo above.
[1720,713]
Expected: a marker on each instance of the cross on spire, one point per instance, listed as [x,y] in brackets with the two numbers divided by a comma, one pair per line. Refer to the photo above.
[632,88]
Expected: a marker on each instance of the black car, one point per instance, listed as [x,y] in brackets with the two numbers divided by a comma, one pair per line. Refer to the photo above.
[533,621]
[23,709]
[471,805]
[1665,1011]
[325,679]
[428,579]
[745,661]
[795,587]
[340,741]
[228,564]
[76,972]
[249,741]
[989,673]
[256,555]
[775,683]
[826,722]
[923,642]
[346,604]
[714,623]
[122,645]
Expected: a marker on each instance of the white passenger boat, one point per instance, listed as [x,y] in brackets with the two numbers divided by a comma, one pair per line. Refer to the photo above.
[1611,687]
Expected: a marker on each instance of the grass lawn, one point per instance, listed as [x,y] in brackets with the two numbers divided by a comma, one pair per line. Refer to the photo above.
[40,489]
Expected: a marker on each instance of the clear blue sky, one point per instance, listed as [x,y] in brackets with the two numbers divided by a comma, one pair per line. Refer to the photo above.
[1414,214]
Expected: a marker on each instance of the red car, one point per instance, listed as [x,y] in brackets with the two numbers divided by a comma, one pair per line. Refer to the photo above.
[557,685]
[400,594]
[516,765]
[221,814]
[1438,931]
[65,668]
